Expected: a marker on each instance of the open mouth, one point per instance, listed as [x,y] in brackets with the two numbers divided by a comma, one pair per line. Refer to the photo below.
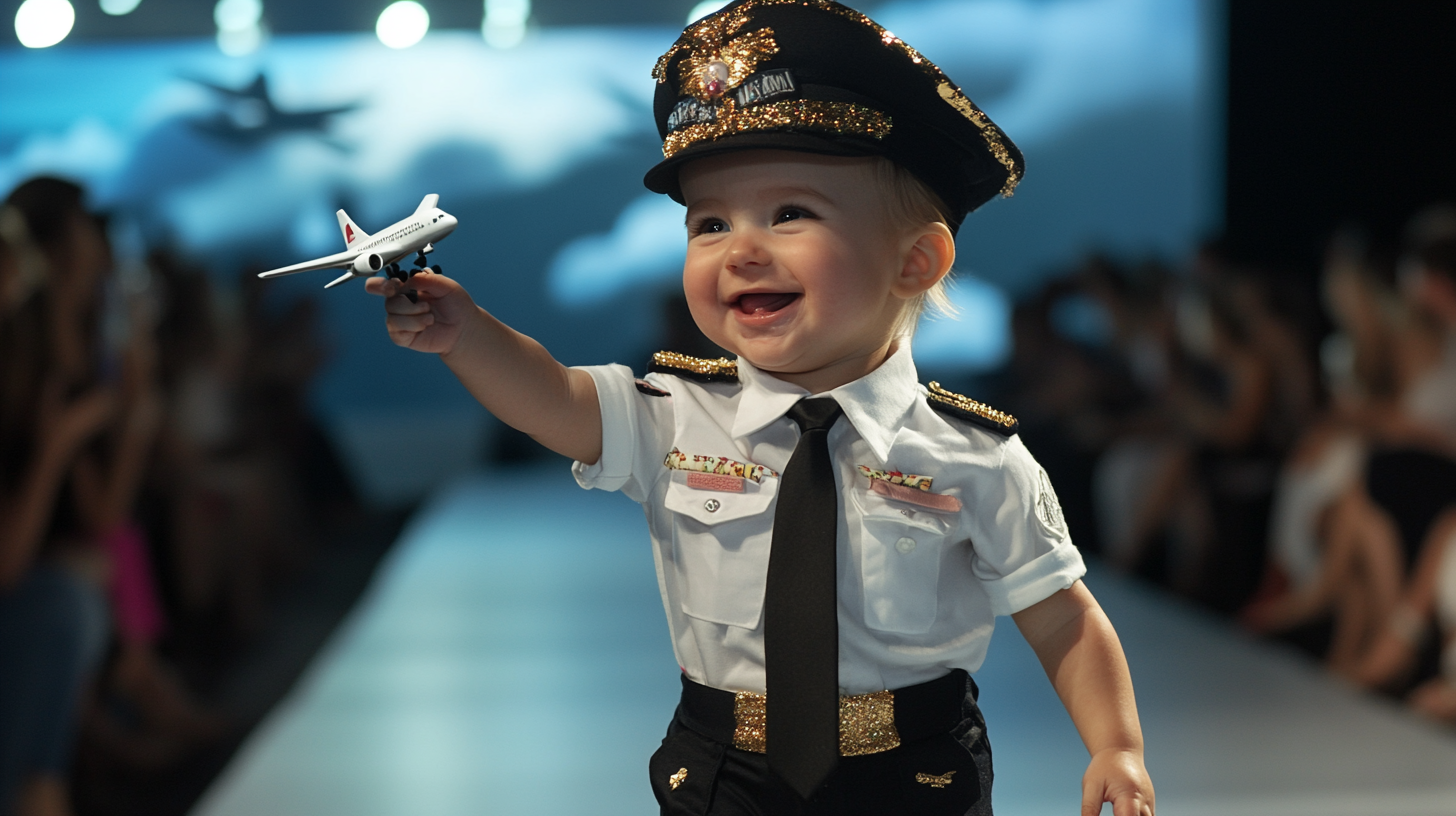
[764,303]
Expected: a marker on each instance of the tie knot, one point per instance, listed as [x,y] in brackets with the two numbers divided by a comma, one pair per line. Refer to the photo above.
[815,414]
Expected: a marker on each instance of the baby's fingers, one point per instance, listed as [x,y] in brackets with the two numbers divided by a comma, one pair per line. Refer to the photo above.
[408,323]
[384,287]
[401,304]
[1132,804]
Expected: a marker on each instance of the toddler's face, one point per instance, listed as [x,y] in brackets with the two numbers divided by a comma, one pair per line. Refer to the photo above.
[792,263]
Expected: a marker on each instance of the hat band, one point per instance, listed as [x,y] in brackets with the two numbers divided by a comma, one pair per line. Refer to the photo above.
[841,118]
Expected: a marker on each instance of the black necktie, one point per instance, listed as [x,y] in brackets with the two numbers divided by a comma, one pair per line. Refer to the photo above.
[801,624]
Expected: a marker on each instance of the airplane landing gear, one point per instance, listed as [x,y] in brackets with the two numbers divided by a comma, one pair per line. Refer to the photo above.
[403,276]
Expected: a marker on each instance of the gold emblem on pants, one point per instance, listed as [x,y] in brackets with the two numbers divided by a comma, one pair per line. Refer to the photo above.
[932,781]
[678,778]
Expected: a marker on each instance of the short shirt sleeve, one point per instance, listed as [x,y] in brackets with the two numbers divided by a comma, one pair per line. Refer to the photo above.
[1022,550]
[633,428]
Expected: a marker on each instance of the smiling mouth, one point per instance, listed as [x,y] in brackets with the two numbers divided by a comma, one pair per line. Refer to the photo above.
[764,303]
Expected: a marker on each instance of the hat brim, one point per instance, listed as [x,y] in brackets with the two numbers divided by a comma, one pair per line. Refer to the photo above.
[663,177]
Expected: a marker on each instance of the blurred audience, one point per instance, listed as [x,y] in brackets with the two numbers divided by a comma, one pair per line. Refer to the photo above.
[159,475]
[53,625]
[1305,484]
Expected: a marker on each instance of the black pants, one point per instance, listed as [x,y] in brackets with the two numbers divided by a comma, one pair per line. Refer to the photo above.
[715,779]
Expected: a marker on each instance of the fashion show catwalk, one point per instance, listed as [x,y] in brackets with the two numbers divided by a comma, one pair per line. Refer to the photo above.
[512,658]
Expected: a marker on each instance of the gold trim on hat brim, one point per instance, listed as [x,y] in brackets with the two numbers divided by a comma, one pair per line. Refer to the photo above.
[840,118]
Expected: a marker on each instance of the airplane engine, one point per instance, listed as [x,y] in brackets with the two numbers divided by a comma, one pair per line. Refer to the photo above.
[368,264]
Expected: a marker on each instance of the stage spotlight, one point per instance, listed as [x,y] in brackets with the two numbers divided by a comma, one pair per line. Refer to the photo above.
[239,26]
[505,22]
[402,24]
[705,8]
[116,8]
[43,23]
[234,15]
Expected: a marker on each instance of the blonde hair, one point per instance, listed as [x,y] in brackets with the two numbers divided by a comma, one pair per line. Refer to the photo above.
[909,203]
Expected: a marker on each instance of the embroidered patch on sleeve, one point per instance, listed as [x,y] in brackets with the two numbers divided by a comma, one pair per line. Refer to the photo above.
[895,477]
[721,465]
[1048,509]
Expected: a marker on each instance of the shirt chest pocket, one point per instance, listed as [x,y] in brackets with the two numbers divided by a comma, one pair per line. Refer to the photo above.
[901,547]
[721,543]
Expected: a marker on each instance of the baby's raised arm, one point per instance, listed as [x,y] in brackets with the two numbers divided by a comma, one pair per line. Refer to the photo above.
[513,376]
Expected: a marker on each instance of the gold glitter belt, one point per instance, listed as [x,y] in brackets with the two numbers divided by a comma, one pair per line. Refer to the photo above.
[868,723]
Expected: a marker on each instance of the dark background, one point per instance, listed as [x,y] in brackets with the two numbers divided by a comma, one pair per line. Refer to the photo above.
[1338,112]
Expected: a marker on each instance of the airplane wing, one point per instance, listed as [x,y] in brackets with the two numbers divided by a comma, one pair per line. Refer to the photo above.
[338,260]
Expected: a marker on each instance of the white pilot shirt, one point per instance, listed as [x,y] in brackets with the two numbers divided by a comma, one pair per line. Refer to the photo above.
[919,586]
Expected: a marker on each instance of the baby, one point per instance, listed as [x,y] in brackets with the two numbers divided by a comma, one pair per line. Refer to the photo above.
[833,541]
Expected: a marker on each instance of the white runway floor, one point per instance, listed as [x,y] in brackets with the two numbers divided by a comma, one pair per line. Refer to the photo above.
[512,658]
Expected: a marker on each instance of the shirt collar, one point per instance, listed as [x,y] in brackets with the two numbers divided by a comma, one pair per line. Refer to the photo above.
[875,404]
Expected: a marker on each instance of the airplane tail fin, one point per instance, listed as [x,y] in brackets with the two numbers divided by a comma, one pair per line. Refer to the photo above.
[352,233]
[430,202]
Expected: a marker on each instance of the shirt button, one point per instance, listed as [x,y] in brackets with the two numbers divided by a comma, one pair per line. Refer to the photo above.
[711,505]
[905,544]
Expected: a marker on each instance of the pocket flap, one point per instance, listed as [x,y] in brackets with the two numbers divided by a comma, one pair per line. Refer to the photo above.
[713,507]
[886,510]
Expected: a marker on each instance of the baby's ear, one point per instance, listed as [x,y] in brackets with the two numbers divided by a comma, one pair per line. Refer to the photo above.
[928,257]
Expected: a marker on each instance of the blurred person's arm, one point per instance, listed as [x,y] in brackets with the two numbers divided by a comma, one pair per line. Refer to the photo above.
[1083,658]
[25,518]
[1234,423]
[513,376]
[106,493]
[1396,646]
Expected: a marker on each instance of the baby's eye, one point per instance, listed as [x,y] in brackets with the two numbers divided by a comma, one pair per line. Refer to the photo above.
[706,226]
[788,214]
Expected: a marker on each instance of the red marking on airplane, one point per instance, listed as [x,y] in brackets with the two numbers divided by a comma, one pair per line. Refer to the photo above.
[348,234]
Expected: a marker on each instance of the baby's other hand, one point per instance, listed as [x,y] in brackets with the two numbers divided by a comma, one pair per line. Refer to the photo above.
[433,323]
[1117,776]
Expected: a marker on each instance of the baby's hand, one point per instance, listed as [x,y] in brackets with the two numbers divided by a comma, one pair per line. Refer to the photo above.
[1117,776]
[432,324]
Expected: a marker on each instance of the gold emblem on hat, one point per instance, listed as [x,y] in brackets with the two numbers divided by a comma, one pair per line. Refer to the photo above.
[678,778]
[716,64]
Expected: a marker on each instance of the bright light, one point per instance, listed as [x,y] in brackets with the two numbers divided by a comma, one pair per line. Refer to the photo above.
[116,8]
[402,24]
[43,23]
[237,42]
[239,26]
[235,15]
[705,8]
[505,22]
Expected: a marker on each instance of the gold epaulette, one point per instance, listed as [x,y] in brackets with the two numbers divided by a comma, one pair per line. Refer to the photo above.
[949,402]
[695,368]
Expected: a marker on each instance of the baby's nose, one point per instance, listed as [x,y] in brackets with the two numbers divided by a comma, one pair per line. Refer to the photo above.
[747,250]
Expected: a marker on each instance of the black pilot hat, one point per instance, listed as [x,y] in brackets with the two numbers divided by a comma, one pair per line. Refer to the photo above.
[819,77]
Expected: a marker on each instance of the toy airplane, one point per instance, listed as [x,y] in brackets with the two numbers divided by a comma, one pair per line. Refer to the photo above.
[368,254]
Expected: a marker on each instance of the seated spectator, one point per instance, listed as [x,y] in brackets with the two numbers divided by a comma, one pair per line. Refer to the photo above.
[1361,500]
[52,621]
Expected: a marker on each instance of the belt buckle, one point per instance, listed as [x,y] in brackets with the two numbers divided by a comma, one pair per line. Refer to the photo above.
[866,723]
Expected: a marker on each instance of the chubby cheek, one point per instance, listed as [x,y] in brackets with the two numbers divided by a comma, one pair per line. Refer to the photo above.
[700,288]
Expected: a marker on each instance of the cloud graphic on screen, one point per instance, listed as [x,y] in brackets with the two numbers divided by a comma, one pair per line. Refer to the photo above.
[1052,65]
[645,247]
[87,151]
